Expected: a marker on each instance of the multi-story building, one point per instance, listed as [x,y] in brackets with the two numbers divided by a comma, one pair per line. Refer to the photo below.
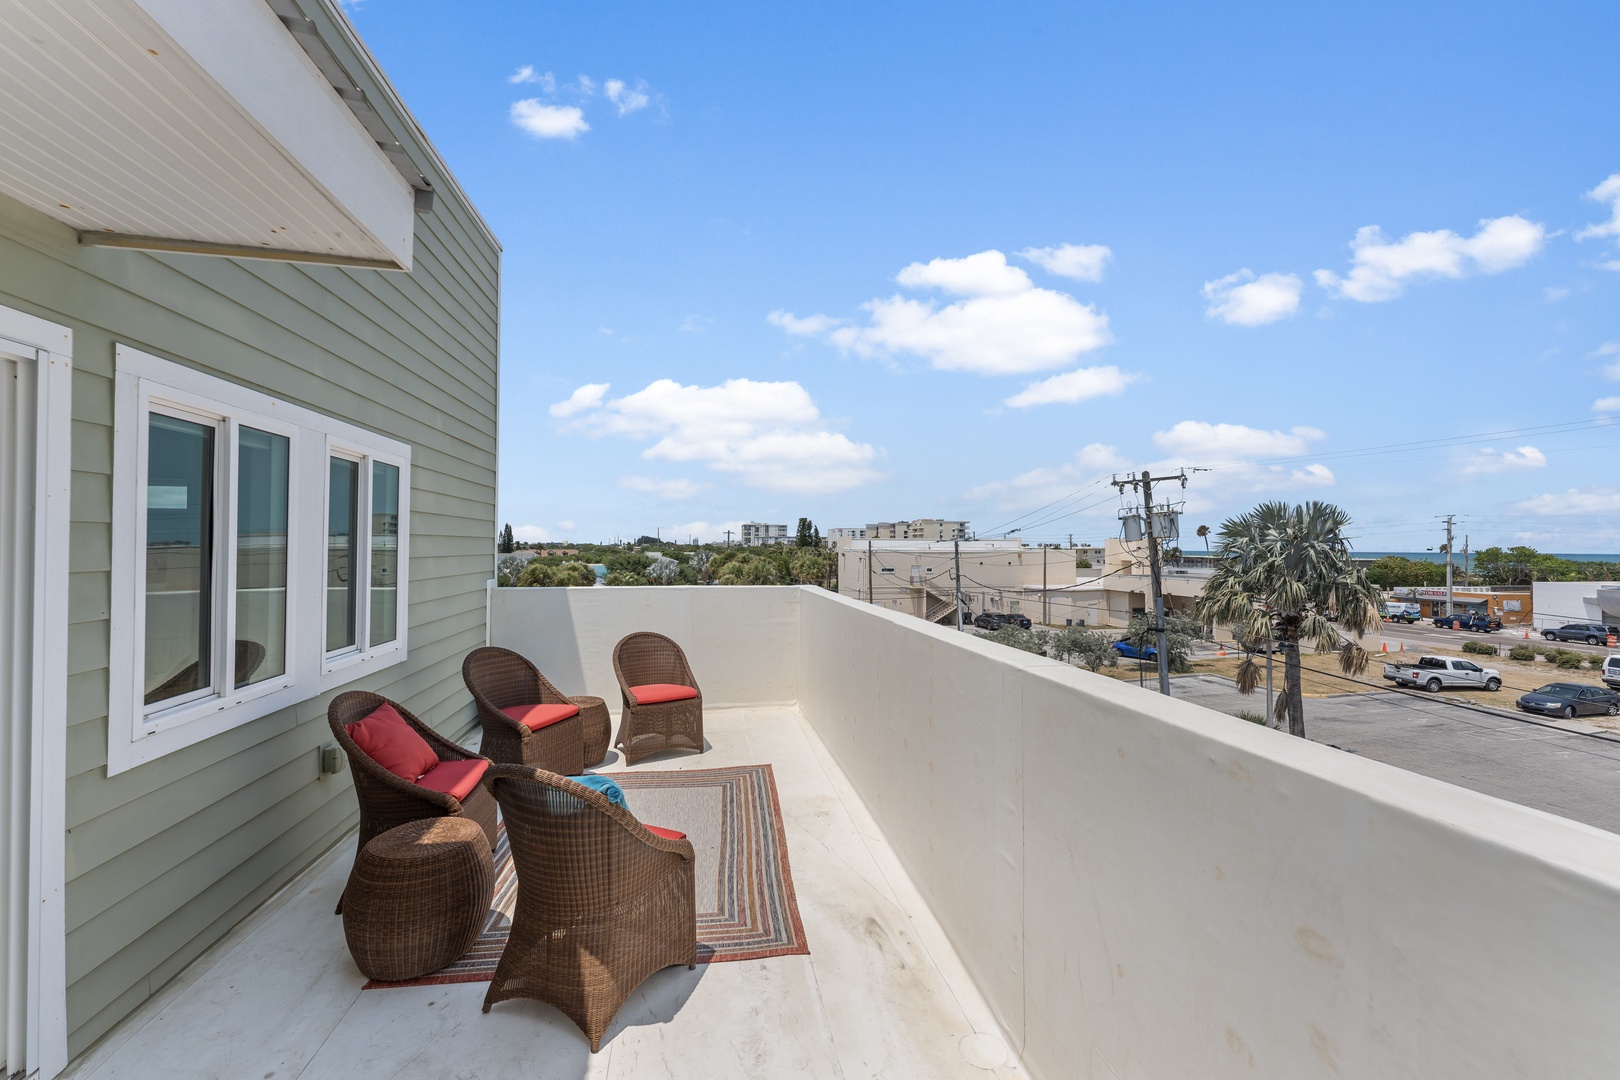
[835,536]
[758,533]
[920,529]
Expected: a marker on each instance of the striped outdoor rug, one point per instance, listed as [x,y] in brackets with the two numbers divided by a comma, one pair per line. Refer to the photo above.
[745,904]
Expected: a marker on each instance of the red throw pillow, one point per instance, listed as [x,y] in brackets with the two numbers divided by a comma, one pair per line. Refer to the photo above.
[457,778]
[659,692]
[535,717]
[388,740]
[666,834]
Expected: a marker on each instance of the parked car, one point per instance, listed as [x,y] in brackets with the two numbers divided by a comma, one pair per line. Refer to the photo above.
[1134,652]
[1431,673]
[1591,633]
[1611,671]
[1484,624]
[1571,699]
[995,620]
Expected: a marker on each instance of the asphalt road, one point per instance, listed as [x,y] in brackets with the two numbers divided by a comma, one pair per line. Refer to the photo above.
[1564,773]
[1423,636]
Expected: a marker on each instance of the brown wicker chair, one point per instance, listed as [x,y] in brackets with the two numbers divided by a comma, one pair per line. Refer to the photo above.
[645,728]
[387,800]
[500,679]
[602,902]
[249,655]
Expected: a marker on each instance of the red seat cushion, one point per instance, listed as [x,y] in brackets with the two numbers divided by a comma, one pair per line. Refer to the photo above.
[457,778]
[385,737]
[655,693]
[535,717]
[666,834]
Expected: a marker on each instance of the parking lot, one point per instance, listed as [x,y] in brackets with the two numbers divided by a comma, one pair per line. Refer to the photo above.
[1572,775]
[1422,636]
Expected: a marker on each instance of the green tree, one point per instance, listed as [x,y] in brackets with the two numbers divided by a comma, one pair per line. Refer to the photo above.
[1028,640]
[1179,634]
[1282,572]
[1397,571]
[617,578]
[508,543]
[748,568]
[812,566]
[1203,534]
[809,535]
[663,570]
[1088,647]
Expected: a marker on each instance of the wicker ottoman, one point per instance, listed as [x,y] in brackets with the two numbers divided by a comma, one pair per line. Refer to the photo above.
[418,898]
[593,713]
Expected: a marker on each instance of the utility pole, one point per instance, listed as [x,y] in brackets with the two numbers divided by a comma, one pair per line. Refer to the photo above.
[1046,607]
[869,598]
[728,538]
[1449,608]
[1465,560]
[958,546]
[1145,482]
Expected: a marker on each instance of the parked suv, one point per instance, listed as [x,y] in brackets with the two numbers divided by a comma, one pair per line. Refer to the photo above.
[1611,671]
[1591,633]
[995,620]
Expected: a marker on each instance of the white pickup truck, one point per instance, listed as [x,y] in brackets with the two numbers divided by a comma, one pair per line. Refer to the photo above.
[1433,673]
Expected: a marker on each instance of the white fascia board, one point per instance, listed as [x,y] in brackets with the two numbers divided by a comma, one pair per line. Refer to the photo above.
[244,48]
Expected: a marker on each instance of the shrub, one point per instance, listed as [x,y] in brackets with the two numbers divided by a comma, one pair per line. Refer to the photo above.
[624,578]
[1594,661]
[1028,640]
[1088,647]
[1479,648]
[1251,717]
[1569,661]
[1522,653]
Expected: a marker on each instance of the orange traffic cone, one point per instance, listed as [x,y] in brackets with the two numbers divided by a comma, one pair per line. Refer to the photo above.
[1222,652]
[1386,646]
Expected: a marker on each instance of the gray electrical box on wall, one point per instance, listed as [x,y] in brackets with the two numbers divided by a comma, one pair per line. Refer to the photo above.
[332,758]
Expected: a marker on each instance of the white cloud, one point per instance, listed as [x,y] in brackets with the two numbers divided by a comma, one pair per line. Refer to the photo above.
[531,534]
[768,434]
[1072,387]
[626,99]
[526,74]
[1313,476]
[1487,461]
[1574,502]
[1606,192]
[1380,267]
[545,121]
[1606,405]
[1608,348]
[588,396]
[670,490]
[1195,442]
[696,324]
[1243,299]
[566,526]
[810,326]
[584,85]
[984,274]
[1555,293]
[1044,484]
[1004,325]
[1082,262]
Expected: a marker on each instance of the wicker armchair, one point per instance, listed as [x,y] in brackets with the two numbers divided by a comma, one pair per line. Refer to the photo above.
[646,727]
[387,800]
[249,655]
[500,679]
[602,902]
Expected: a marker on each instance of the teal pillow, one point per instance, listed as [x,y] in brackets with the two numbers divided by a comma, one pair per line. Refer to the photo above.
[614,793]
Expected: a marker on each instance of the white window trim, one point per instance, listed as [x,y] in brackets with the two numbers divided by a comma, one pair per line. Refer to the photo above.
[144,381]
[345,665]
[45,824]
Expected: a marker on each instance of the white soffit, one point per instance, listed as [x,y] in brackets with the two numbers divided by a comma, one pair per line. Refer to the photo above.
[191,125]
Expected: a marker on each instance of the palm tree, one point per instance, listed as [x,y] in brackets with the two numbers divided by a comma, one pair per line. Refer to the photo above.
[1203,534]
[1283,571]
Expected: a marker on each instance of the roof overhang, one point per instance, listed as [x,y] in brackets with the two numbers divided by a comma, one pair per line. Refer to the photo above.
[198,125]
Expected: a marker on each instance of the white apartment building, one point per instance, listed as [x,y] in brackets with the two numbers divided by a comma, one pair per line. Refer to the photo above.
[835,536]
[758,533]
[920,529]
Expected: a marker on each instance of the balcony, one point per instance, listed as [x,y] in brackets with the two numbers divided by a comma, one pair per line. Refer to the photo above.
[1005,866]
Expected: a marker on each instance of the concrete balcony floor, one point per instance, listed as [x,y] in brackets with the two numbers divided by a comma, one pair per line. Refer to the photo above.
[882,992]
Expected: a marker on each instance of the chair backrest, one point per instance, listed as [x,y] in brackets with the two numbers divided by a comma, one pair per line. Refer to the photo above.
[500,678]
[645,657]
[570,845]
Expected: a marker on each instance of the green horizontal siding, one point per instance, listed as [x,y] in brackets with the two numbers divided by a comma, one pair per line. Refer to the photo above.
[166,858]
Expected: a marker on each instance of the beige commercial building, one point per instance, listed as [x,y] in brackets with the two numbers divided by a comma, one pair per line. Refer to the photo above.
[920,529]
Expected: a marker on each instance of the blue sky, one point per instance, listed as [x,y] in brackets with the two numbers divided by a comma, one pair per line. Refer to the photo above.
[871,262]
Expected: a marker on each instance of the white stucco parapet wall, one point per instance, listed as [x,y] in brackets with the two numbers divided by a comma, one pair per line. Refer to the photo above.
[1142,887]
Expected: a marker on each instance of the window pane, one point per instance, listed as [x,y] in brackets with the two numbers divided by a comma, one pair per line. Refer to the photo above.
[261,556]
[384,553]
[179,557]
[341,555]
